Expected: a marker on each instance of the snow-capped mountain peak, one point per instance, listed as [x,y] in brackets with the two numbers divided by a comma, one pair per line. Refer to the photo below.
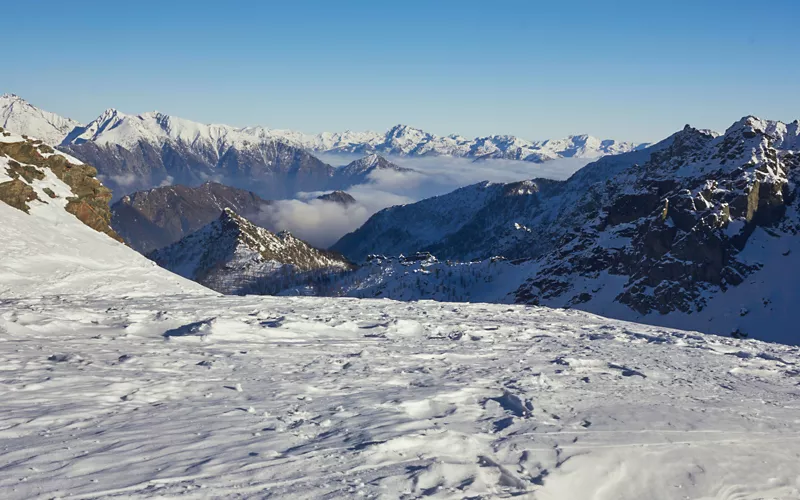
[21,117]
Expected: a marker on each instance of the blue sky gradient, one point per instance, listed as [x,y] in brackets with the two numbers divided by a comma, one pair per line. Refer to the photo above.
[624,70]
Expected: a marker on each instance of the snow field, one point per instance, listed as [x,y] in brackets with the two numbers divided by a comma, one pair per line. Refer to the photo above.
[328,398]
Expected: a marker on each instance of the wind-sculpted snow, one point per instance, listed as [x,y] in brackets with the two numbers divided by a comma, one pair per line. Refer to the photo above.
[331,398]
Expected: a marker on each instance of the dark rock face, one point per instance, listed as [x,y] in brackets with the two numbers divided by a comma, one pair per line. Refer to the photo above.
[27,162]
[17,194]
[148,220]
[673,227]
[340,197]
[232,255]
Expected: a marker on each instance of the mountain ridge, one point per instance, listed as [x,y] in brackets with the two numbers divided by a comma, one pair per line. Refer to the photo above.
[152,219]
[234,256]
[401,140]
[699,231]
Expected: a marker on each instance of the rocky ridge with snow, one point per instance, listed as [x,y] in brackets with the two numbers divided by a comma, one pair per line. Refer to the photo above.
[32,173]
[693,232]
[153,219]
[698,220]
[138,152]
[232,255]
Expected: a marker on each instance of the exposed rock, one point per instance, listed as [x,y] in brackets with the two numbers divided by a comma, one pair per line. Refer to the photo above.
[28,159]
[148,220]
[17,194]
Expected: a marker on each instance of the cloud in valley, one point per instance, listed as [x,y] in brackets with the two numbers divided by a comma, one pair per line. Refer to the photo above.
[323,223]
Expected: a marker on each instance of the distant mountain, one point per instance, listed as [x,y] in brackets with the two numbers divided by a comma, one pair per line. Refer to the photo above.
[149,220]
[233,255]
[138,152]
[361,171]
[339,197]
[18,116]
[402,140]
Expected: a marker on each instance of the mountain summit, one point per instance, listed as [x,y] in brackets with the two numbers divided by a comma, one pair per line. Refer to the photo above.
[152,219]
[233,255]
[19,116]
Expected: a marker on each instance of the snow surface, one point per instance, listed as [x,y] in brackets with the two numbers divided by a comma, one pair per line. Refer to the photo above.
[121,379]
[330,398]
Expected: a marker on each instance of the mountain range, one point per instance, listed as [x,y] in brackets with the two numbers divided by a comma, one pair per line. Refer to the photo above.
[139,152]
[698,231]
[123,379]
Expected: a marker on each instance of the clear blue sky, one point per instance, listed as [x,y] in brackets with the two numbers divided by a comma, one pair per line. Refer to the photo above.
[625,70]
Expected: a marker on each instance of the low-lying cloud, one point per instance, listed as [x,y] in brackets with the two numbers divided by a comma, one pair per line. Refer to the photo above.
[323,223]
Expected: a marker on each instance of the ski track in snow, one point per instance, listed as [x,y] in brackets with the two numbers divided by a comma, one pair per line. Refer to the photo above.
[329,398]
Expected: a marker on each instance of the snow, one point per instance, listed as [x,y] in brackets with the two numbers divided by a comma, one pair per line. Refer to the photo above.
[121,379]
[17,115]
[313,398]
[113,127]
[50,249]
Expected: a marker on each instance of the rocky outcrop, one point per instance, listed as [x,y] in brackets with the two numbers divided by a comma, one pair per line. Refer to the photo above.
[673,228]
[28,159]
[17,194]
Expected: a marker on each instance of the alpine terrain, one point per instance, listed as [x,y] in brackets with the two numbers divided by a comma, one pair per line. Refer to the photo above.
[121,379]
[140,152]
[232,255]
[152,219]
[665,235]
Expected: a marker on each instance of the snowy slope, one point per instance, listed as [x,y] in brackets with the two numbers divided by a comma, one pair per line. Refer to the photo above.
[17,115]
[50,250]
